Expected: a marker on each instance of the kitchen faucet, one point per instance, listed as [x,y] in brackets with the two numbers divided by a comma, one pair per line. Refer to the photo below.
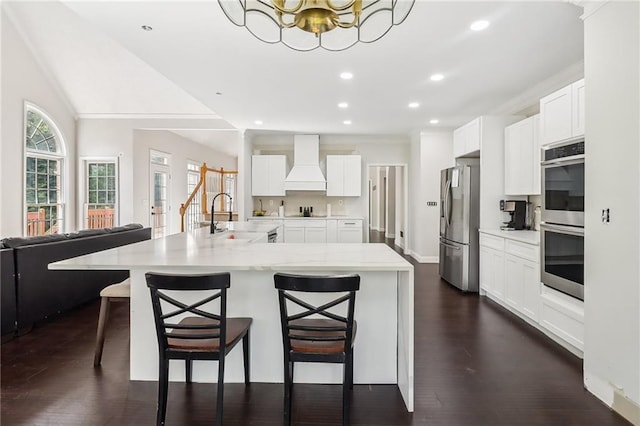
[214,226]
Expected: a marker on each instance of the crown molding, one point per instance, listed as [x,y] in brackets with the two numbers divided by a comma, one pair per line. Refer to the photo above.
[143,116]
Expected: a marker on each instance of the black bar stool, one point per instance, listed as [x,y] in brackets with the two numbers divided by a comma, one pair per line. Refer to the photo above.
[326,337]
[202,335]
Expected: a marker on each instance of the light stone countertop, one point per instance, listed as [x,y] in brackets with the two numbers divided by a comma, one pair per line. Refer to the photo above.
[200,251]
[305,218]
[527,237]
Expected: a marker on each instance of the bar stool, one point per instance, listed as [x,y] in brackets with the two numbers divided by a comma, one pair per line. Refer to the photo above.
[120,292]
[202,335]
[326,337]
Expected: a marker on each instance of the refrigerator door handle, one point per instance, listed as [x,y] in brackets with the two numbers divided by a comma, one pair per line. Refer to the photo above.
[449,245]
[447,210]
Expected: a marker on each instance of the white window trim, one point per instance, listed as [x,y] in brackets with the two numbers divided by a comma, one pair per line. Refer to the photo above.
[64,165]
[82,186]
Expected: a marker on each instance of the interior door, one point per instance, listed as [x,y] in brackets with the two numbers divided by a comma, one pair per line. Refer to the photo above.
[160,201]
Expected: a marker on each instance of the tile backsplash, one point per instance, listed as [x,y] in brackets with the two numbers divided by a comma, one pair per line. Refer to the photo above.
[340,206]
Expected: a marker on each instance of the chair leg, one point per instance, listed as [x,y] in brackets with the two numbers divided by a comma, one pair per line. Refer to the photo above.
[288,387]
[188,368]
[351,370]
[163,388]
[220,396]
[102,323]
[246,355]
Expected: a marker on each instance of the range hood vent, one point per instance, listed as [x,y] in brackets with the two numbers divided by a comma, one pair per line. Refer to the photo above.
[306,174]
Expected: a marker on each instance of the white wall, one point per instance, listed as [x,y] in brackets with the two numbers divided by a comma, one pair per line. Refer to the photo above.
[111,137]
[23,79]
[431,152]
[390,219]
[612,253]
[182,150]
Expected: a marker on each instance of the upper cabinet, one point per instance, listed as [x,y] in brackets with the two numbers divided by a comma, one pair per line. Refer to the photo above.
[267,175]
[344,175]
[522,158]
[466,139]
[562,114]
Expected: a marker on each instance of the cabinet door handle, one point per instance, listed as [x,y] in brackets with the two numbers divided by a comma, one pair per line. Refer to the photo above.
[349,223]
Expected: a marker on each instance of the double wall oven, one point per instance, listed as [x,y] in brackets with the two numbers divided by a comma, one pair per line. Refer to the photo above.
[562,228]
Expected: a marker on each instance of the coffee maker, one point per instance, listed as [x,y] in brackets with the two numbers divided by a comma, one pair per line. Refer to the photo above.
[517,211]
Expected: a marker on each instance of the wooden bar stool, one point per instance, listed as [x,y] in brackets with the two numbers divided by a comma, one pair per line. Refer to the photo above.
[120,292]
[192,331]
[316,333]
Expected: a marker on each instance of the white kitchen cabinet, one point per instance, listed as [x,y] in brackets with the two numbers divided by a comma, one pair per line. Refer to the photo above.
[466,139]
[577,108]
[267,175]
[349,231]
[293,234]
[522,158]
[332,231]
[492,272]
[344,175]
[562,114]
[315,235]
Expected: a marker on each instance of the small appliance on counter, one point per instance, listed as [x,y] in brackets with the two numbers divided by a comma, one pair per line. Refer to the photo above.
[306,211]
[518,214]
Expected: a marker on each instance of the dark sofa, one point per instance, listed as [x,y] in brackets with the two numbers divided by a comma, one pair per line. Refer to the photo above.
[32,293]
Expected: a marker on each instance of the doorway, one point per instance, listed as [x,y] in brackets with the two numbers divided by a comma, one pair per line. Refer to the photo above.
[159,193]
[388,198]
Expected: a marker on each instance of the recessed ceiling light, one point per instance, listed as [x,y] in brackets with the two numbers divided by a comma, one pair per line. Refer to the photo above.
[346,122]
[258,122]
[436,77]
[147,27]
[346,76]
[219,93]
[479,25]
[343,105]
[434,121]
[414,105]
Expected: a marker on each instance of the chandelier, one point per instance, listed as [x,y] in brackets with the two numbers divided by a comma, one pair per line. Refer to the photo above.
[308,24]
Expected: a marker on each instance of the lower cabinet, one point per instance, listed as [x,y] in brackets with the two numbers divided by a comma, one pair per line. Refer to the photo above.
[349,231]
[510,276]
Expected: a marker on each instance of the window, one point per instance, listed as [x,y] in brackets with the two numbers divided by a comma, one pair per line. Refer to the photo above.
[193,215]
[44,173]
[101,193]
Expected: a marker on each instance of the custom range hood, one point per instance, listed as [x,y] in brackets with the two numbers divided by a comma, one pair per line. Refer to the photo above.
[306,174]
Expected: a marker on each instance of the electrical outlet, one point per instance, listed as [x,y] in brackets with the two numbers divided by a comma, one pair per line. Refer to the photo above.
[339,202]
[432,203]
[605,216]
[270,203]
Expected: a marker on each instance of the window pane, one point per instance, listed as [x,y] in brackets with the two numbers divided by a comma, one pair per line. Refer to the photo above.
[53,196]
[111,197]
[42,181]
[102,170]
[111,169]
[93,197]
[102,197]
[101,184]
[31,180]
[31,164]
[111,183]
[93,169]
[53,166]
[42,165]
[42,196]
[53,182]
[31,196]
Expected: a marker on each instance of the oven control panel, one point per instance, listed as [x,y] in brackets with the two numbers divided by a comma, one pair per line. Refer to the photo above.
[564,151]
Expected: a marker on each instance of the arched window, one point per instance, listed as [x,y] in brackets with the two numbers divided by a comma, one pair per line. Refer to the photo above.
[44,173]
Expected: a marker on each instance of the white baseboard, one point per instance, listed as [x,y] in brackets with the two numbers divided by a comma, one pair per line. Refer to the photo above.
[423,259]
[389,235]
[613,397]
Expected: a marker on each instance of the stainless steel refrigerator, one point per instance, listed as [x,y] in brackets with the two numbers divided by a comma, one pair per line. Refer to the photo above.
[459,220]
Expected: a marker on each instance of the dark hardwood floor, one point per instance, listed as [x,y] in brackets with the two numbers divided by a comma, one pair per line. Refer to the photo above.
[476,364]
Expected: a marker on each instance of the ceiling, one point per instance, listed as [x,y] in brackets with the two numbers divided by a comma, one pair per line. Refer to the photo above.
[195,63]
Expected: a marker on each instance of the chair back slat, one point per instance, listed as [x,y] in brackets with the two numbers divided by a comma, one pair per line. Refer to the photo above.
[299,326]
[215,325]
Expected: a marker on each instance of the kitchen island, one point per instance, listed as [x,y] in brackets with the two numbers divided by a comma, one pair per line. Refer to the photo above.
[383,352]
